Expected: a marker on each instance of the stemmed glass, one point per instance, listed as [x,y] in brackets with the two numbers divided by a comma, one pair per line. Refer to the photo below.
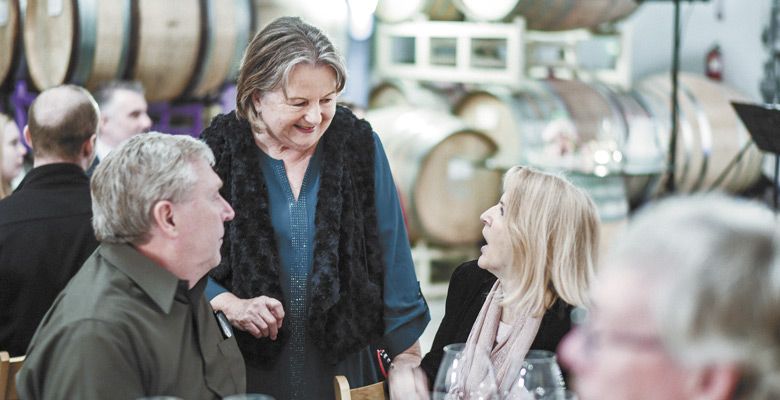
[537,377]
[465,376]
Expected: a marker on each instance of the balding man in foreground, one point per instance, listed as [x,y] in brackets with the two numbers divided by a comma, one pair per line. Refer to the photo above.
[45,226]
[134,321]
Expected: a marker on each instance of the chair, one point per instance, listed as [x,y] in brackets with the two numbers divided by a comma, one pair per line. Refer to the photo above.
[375,391]
[9,366]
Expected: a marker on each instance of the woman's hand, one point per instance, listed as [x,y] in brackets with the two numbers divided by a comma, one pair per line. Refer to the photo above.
[406,379]
[260,316]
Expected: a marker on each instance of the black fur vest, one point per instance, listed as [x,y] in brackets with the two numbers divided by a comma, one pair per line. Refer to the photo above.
[346,282]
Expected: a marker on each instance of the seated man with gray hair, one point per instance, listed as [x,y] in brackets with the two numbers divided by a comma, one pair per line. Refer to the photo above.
[134,321]
[686,307]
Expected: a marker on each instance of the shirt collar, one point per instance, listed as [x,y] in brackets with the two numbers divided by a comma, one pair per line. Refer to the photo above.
[101,149]
[159,284]
[55,173]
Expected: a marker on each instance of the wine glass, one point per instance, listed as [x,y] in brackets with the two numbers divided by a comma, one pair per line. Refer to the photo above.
[537,377]
[160,397]
[465,375]
[566,395]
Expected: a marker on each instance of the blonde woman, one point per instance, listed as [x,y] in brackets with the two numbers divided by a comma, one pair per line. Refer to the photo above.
[541,242]
[12,153]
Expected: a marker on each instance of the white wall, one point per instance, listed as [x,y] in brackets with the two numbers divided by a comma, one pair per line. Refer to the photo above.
[738,33]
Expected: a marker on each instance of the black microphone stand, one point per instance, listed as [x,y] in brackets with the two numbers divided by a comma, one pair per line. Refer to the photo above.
[672,162]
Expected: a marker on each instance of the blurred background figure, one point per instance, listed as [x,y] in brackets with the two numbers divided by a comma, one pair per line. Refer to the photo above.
[123,114]
[686,307]
[12,153]
[541,244]
[45,225]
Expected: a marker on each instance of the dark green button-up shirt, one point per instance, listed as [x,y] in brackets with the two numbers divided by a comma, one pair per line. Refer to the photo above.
[125,328]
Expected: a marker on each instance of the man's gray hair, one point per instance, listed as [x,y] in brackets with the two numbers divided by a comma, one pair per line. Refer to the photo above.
[104,94]
[135,176]
[714,264]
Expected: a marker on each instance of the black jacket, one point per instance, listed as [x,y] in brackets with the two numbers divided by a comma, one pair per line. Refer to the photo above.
[45,235]
[468,289]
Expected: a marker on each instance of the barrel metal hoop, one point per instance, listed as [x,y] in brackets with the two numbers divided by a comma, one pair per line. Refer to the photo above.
[743,166]
[124,55]
[243,34]
[616,109]
[86,40]
[208,40]
[562,15]
[419,159]
[626,113]
[705,136]
[683,134]
[653,116]
[5,12]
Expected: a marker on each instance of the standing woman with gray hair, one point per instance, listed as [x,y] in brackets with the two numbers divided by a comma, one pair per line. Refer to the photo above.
[316,264]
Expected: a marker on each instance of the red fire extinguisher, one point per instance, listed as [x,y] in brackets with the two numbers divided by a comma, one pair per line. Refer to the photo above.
[713,66]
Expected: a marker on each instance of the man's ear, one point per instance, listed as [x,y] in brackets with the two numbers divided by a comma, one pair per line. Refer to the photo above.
[717,382]
[88,148]
[162,217]
[27,137]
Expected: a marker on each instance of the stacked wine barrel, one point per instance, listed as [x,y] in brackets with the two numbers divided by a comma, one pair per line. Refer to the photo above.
[544,15]
[11,49]
[175,48]
[612,142]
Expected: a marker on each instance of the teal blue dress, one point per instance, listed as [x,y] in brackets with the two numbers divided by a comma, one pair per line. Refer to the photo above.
[301,372]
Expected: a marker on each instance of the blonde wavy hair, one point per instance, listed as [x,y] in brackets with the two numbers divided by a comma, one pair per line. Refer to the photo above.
[553,227]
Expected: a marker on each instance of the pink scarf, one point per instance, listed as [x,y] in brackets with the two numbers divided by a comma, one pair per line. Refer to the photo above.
[505,355]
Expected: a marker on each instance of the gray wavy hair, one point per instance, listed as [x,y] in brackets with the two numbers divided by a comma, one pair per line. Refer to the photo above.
[714,263]
[135,176]
[272,54]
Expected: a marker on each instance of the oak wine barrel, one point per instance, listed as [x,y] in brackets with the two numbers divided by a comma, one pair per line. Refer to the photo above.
[175,48]
[401,92]
[710,134]
[228,29]
[549,124]
[392,11]
[11,18]
[437,163]
[77,41]
[549,15]
[168,46]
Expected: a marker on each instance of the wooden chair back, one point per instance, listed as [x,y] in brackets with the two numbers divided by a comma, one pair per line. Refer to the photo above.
[375,391]
[9,366]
